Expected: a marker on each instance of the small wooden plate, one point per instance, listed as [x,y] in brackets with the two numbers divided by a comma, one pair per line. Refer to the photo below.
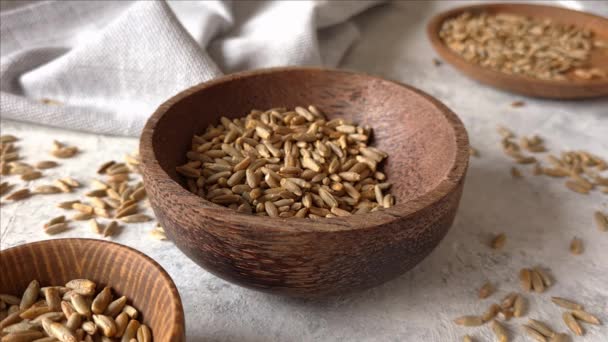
[573,88]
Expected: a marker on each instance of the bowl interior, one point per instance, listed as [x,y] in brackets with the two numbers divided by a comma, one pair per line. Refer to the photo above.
[409,125]
[129,272]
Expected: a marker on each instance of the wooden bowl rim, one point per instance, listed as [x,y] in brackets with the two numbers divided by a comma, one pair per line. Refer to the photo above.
[178,324]
[229,217]
[434,26]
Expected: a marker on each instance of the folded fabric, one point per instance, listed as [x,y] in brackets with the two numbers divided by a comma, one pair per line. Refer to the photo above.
[104,66]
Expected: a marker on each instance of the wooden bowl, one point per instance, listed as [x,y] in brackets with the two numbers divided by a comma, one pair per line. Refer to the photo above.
[573,88]
[428,158]
[129,272]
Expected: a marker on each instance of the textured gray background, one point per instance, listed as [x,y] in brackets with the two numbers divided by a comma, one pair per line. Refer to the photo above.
[538,215]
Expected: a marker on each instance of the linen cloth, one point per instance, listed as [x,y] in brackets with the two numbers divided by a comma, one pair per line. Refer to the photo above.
[106,65]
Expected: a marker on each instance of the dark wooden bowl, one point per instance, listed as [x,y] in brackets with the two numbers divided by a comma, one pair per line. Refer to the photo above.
[428,158]
[573,88]
[129,272]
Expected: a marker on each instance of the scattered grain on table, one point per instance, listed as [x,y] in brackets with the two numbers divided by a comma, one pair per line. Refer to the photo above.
[576,246]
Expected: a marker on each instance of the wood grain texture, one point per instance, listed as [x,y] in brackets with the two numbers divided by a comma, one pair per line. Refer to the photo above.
[129,272]
[428,158]
[574,88]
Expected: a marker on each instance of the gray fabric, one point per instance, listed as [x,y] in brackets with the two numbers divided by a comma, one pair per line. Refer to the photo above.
[106,65]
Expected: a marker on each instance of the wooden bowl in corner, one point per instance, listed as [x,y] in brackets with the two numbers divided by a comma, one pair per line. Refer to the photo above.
[572,88]
[129,272]
[428,158]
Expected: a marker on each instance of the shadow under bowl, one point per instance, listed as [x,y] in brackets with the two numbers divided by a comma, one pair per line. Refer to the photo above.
[428,157]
